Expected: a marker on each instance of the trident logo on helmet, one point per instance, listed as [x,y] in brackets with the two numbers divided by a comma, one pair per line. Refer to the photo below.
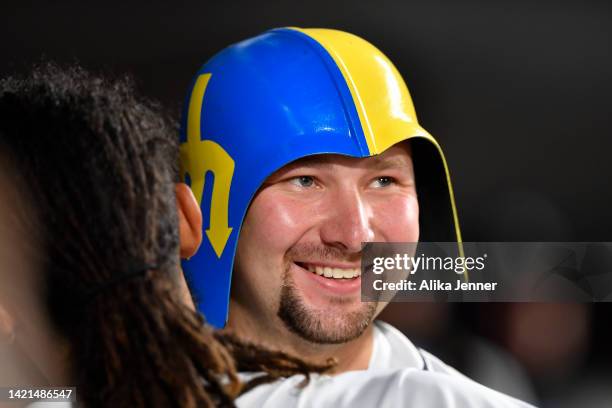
[199,157]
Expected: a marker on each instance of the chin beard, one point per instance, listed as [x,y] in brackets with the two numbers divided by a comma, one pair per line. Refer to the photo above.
[320,327]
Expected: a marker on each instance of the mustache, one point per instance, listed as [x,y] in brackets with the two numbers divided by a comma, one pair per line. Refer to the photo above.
[319,252]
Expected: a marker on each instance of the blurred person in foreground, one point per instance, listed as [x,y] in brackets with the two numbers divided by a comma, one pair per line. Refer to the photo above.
[29,349]
[93,193]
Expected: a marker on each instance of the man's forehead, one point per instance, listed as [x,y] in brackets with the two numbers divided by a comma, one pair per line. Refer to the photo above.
[396,156]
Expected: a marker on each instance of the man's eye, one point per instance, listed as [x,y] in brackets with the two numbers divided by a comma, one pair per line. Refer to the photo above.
[303,181]
[383,181]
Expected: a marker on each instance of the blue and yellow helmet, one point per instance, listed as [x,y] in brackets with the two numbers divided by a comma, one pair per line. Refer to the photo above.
[283,95]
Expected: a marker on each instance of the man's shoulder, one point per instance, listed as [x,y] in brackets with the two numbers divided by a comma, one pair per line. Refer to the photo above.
[392,350]
[399,374]
[407,387]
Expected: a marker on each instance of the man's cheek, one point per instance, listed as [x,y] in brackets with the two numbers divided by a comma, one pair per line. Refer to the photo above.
[398,219]
[282,223]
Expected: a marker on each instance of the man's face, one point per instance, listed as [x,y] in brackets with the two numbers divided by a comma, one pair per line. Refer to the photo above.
[299,252]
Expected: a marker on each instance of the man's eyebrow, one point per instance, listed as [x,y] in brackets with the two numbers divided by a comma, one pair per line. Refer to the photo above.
[321,160]
[380,164]
[314,161]
[395,162]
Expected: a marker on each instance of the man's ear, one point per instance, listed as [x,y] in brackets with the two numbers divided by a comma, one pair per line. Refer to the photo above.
[190,220]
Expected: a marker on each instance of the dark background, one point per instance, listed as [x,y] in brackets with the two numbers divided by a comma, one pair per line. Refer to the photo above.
[518,93]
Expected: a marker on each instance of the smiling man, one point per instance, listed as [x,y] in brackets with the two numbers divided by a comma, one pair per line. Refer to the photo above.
[297,269]
[300,146]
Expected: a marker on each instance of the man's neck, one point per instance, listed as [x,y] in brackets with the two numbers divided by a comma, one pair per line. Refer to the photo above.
[352,355]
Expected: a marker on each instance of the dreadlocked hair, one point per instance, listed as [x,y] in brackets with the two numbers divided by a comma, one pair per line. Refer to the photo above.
[270,365]
[100,165]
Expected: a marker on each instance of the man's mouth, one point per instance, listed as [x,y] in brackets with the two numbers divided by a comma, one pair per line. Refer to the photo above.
[331,272]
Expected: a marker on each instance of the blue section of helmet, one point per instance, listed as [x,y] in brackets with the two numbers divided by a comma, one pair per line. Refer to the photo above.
[270,100]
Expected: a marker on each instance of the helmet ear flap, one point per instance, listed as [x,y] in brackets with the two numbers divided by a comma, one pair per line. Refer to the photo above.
[435,206]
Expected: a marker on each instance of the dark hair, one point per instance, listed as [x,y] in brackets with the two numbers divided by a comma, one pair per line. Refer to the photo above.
[99,164]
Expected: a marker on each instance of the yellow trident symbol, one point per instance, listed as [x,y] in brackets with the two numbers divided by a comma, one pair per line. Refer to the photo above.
[201,156]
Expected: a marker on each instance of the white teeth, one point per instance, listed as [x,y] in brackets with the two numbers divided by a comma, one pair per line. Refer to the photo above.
[335,273]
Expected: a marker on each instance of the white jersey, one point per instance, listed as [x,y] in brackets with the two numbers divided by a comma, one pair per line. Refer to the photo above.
[393,350]
[398,375]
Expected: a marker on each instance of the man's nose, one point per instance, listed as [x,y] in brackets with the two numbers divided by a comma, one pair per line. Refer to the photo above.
[349,222]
